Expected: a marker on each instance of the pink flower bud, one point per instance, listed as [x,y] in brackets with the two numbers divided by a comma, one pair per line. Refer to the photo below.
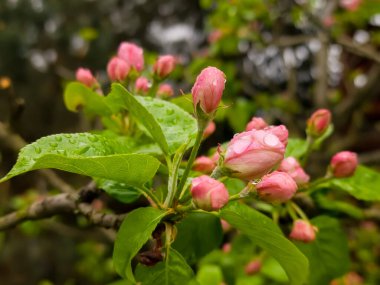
[209,130]
[256,123]
[208,194]
[165,90]
[164,65]
[252,154]
[291,166]
[225,225]
[142,84]
[303,231]
[351,278]
[208,89]
[253,267]
[276,187]
[84,75]
[344,163]
[318,123]
[117,69]
[280,131]
[204,164]
[215,36]
[226,247]
[350,5]
[132,54]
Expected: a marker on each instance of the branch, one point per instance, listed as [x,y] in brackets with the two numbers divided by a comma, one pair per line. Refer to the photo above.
[61,204]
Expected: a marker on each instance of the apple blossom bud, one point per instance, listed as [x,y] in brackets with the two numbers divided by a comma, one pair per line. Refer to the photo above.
[252,154]
[117,69]
[84,75]
[132,54]
[226,247]
[164,65]
[351,278]
[209,130]
[208,194]
[204,164]
[253,267]
[165,90]
[208,89]
[319,122]
[279,131]
[350,5]
[344,163]
[142,84]
[256,123]
[276,187]
[303,231]
[225,225]
[291,166]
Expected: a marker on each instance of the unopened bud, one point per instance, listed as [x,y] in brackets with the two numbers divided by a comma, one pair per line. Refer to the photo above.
[117,69]
[142,84]
[132,54]
[164,65]
[256,123]
[208,194]
[204,164]
[344,163]
[276,187]
[303,231]
[319,122]
[165,90]
[84,75]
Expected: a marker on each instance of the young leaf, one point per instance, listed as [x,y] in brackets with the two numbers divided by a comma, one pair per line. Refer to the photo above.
[120,191]
[192,230]
[86,154]
[78,96]
[172,271]
[363,185]
[168,124]
[328,254]
[296,148]
[266,234]
[134,232]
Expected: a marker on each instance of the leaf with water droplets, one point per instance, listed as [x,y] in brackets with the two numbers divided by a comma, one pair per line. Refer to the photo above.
[77,96]
[168,124]
[87,154]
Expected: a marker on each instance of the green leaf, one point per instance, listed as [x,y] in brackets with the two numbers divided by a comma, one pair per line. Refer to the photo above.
[328,254]
[266,234]
[168,124]
[120,191]
[173,271]
[86,154]
[339,206]
[363,185]
[210,275]
[192,230]
[296,148]
[134,232]
[78,96]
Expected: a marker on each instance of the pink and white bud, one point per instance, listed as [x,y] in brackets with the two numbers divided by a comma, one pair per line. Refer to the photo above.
[303,231]
[253,267]
[164,65]
[279,131]
[142,84]
[165,90]
[350,5]
[204,164]
[276,187]
[252,154]
[208,89]
[256,123]
[291,166]
[209,130]
[319,122]
[84,76]
[208,194]
[351,278]
[117,69]
[344,163]
[132,54]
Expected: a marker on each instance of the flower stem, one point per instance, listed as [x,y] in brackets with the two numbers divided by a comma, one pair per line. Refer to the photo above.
[201,127]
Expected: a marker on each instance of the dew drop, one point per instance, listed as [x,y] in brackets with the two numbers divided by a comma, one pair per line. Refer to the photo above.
[93,138]
[83,150]
[72,141]
[67,136]
[58,138]
[169,112]
[53,144]
[37,149]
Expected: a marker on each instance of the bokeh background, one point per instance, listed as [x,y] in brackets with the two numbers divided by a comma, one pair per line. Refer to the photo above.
[283,60]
